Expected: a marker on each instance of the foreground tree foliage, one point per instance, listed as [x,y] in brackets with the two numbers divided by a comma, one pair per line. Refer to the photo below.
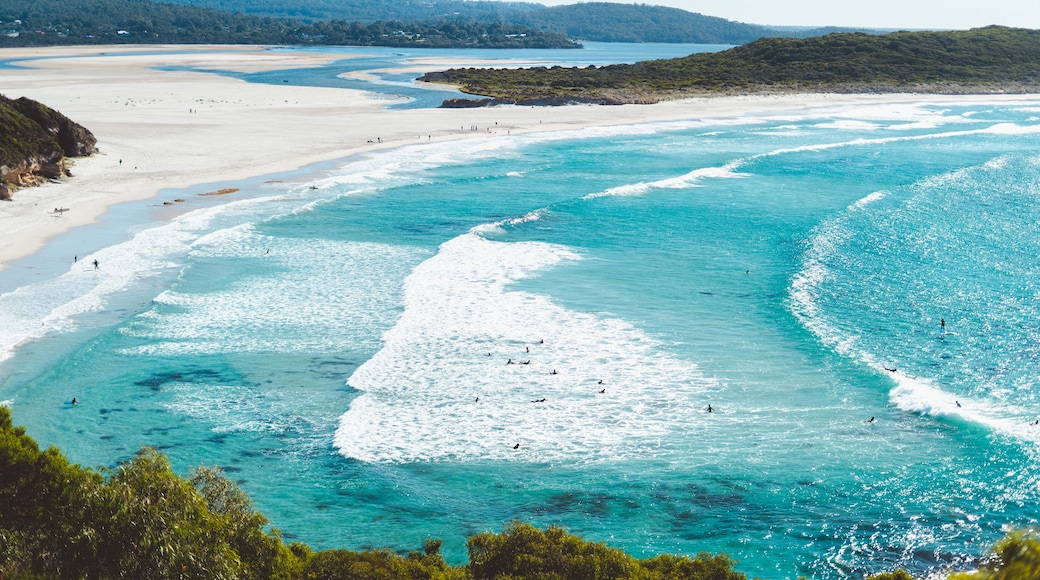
[1016,557]
[140,520]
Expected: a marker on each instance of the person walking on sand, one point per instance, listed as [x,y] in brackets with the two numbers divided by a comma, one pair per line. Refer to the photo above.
[95,264]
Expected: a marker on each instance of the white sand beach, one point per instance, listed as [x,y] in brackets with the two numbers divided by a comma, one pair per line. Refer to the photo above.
[169,129]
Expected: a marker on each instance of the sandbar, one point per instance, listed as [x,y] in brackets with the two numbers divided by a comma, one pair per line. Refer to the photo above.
[160,129]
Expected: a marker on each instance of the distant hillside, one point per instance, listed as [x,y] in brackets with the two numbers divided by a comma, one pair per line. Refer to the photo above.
[371,10]
[992,59]
[595,21]
[34,141]
[612,22]
[57,22]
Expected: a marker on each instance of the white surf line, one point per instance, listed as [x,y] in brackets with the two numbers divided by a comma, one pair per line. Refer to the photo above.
[911,394]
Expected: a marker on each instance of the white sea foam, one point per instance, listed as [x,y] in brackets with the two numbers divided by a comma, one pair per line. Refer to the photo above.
[921,396]
[33,311]
[849,125]
[873,197]
[731,169]
[8,403]
[281,307]
[691,179]
[420,390]
[911,394]
[36,310]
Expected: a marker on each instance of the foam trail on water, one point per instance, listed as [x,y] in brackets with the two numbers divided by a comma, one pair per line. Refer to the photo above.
[33,311]
[912,394]
[731,169]
[462,324]
[280,308]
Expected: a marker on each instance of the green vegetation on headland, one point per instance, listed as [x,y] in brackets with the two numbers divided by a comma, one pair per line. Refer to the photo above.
[34,142]
[66,22]
[983,60]
[140,520]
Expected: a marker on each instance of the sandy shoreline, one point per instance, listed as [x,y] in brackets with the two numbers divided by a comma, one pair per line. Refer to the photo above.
[173,129]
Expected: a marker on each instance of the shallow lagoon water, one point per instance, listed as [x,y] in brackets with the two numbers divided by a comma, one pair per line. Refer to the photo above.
[325,338]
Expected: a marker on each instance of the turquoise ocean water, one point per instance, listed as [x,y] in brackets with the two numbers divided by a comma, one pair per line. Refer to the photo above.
[324,337]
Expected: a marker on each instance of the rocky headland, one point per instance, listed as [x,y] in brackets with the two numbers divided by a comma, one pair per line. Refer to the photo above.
[35,141]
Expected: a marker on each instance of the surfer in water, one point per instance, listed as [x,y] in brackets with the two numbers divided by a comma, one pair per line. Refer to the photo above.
[871,420]
[942,325]
[73,400]
[710,410]
[891,370]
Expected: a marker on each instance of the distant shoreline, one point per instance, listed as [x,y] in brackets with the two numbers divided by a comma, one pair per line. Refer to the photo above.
[167,129]
[625,97]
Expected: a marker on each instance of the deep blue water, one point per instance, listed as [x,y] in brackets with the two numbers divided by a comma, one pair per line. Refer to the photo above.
[326,340]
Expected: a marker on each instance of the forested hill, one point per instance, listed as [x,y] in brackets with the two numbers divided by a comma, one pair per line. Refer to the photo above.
[58,22]
[982,60]
[372,10]
[595,21]
[612,22]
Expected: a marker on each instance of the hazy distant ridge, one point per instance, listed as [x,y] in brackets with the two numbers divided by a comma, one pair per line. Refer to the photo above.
[594,21]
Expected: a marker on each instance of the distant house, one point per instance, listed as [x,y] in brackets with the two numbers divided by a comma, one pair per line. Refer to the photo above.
[123,33]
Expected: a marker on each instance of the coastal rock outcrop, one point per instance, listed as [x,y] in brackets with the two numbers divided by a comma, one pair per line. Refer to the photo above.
[34,142]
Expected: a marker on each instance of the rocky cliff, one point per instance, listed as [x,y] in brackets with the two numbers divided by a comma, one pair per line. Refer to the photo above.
[34,142]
